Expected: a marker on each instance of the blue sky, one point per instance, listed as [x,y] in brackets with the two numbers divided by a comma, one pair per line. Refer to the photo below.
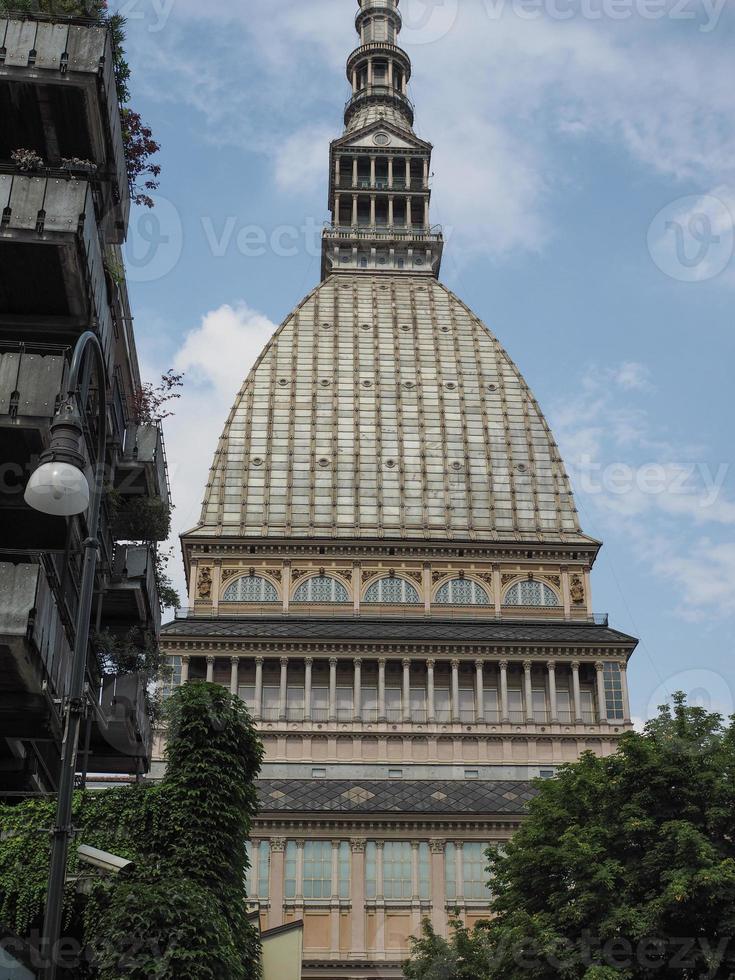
[585,176]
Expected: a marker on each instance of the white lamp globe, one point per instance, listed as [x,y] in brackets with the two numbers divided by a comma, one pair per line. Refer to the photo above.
[59,489]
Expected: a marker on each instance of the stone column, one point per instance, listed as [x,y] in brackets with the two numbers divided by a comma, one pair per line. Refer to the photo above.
[210,670]
[185,670]
[370,71]
[283,693]
[390,172]
[480,691]
[438,887]
[426,174]
[379,899]
[455,691]
[409,217]
[565,593]
[427,588]
[299,871]
[234,674]
[497,591]
[337,199]
[287,565]
[333,689]
[626,692]
[357,690]
[415,886]
[601,699]
[430,700]
[354,209]
[258,688]
[381,689]
[275,916]
[372,209]
[408,172]
[356,587]
[406,690]
[216,585]
[554,702]
[528,688]
[390,73]
[426,214]
[372,170]
[334,913]
[459,862]
[391,218]
[504,710]
[337,168]
[358,898]
[354,171]
[577,691]
[308,665]
[193,577]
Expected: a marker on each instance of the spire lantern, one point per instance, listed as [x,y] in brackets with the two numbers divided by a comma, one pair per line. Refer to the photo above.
[379,190]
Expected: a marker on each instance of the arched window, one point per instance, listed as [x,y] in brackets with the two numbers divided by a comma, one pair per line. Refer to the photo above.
[531,593]
[250,588]
[392,591]
[462,592]
[321,588]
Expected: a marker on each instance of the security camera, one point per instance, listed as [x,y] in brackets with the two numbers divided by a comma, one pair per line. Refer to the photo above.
[108,863]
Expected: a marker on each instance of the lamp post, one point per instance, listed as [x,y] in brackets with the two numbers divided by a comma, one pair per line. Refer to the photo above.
[59,487]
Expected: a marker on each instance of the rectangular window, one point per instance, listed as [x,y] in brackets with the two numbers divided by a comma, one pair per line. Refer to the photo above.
[295,704]
[476,876]
[345,704]
[466,704]
[371,870]
[418,705]
[320,704]
[450,871]
[291,866]
[394,704]
[271,699]
[539,705]
[613,692]
[492,710]
[345,866]
[369,696]
[318,869]
[588,707]
[515,705]
[264,869]
[397,869]
[564,701]
[247,694]
[443,702]
[318,773]
[174,679]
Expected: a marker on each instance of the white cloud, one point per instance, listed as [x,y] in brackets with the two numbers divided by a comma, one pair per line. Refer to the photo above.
[216,357]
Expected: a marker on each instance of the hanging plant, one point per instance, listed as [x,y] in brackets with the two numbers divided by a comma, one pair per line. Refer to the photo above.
[27,161]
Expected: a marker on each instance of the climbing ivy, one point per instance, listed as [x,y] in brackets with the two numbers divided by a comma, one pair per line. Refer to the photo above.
[181,911]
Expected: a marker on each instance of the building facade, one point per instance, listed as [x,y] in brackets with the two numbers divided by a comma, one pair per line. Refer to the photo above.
[390,570]
[64,205]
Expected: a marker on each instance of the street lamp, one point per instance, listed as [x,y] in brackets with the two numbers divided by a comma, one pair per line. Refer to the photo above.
[59,487]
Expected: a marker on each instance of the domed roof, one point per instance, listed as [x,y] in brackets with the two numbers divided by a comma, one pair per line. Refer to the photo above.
[383,408]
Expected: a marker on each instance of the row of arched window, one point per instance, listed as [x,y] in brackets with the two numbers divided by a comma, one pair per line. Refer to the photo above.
[319,589]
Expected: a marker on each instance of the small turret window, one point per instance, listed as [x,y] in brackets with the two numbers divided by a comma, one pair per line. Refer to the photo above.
[321,588]
[250,588]
[462,592]
[392,591]
[531,593]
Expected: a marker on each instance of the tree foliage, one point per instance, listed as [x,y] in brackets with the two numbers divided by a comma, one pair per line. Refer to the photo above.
[624,869]
[181,912]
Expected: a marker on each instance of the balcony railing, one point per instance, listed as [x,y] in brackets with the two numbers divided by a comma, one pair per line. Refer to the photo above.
[417,716]
[380,232]
[382,92]
[58,216]
[74,57]
[122,737]
[132,596]
[142,468]
[31,382]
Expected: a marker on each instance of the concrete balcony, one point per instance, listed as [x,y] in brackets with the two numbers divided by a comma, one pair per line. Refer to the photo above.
[122,738]
[35,653]
[58,97]
[52,272]
[131,599]
[142,467]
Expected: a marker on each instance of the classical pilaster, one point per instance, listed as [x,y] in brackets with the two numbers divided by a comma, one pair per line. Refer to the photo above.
[577,692]
[528,688]
[381,689]
[357,689]
[275,917]
[210,670]
[553,699]
[504,709]
[333,688]
[185,670]
[601,699]
[283,691]
[626,692]
[357,846]
[234,674]
[430,698]
[258,688]
[480,690]
[300,871]
[406,689]
[455,691]
[308,666]
[438,887]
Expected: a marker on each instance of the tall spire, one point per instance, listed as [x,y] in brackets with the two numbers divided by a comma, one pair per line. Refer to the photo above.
[379,191]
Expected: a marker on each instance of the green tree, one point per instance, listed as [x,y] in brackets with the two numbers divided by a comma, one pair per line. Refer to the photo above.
[625,867]
[181,911]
